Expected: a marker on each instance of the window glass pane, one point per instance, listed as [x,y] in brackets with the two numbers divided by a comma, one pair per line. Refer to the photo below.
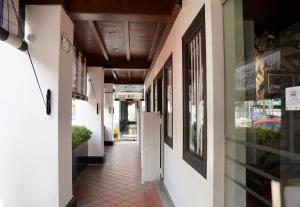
[262,52]
[196,101]
[155,96]
[169,102]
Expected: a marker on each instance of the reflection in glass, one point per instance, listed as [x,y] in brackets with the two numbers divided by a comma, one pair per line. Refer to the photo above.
[262,137]
[169,101]
[196,99]
[155,99]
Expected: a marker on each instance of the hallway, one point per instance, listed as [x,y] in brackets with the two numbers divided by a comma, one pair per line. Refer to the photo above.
[117,183]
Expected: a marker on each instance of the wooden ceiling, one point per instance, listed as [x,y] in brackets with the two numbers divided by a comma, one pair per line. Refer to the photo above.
[123,36]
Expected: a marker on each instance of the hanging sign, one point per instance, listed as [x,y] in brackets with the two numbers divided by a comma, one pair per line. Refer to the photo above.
[129,96]
[292,98]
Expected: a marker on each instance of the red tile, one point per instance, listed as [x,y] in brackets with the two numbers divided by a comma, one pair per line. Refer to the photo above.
[116,183]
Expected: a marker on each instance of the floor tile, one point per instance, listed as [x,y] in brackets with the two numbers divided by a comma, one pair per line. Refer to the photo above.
[117,183]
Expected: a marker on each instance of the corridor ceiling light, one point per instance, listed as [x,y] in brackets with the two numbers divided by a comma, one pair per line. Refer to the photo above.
[112,32]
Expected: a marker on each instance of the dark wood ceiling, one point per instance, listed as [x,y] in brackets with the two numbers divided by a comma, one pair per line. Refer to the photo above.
[123,36]
[125,76]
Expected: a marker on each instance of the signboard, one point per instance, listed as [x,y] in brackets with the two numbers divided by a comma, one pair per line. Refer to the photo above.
[292,98]
[129,96]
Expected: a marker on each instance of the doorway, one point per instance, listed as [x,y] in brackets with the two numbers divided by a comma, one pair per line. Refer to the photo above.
[128,120]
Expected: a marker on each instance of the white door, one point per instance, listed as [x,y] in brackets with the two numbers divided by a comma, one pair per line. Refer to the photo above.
[150,146]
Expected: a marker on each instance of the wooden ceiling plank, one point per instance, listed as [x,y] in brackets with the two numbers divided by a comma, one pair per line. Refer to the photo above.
[130,69]
[127,39]
[129,75]
[114,10]
[163,18]
[123,81]
[120,62]
[155,41]
[98,39]
[167,31]
[117,6]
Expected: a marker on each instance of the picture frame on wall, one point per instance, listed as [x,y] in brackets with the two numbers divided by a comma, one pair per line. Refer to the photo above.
[278,82]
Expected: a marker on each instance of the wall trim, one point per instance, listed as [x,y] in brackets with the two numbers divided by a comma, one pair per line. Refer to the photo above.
[108,143]
[72,202]
[167,193]
[93,160]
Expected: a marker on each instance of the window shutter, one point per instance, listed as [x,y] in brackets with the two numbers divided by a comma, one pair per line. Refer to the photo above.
[12,14]
[79,76]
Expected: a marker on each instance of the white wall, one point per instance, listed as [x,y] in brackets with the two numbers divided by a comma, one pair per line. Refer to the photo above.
[86,112]
[186,186]
[116,115]
[108,111]
[35,149]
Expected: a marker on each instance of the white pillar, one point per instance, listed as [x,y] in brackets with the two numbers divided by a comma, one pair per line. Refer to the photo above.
[35,149]
[108,111]
[86,113]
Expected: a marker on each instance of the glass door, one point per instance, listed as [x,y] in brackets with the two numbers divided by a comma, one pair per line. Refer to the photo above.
[262,75]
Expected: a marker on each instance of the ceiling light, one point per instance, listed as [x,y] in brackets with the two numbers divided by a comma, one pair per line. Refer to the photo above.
[112,32]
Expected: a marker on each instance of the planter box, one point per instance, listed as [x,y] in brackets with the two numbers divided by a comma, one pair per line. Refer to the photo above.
[77,154]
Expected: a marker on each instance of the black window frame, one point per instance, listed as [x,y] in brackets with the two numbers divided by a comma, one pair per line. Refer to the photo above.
[160,88]
[148,99]
[167,139]
[199,163]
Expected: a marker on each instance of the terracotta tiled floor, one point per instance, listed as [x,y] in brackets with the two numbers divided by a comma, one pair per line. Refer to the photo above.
[117,183]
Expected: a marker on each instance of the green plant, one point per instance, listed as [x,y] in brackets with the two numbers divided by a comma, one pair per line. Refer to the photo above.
[260,136]
[80,134]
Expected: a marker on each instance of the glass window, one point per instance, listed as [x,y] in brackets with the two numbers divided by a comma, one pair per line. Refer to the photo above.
[155,96]
[168,102]
[262,51]
[194,94]
[196,98]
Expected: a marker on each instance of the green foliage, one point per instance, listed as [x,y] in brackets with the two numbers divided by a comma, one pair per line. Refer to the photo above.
[260,136]
[80,134]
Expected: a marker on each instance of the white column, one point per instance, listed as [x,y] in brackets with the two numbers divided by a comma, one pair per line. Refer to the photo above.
[86,112]
[35,149]
[108,111]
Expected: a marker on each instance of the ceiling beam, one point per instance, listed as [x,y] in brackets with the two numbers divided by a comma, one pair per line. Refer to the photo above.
[123,81]
[114,10]
[155,41]
[127,39]
[117,6]
[167,31]
[129,75]
[118,63]
[131,69]
[99,40]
